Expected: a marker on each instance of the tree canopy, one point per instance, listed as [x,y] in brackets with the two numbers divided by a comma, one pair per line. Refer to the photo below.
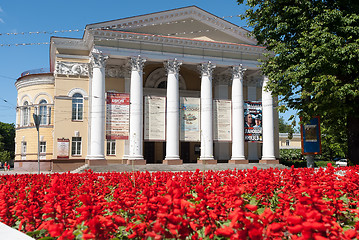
[313,58]
[7,141]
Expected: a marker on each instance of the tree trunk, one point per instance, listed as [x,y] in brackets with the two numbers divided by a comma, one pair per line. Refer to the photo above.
[353,139]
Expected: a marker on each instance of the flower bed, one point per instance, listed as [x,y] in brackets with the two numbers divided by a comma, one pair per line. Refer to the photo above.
[253,204]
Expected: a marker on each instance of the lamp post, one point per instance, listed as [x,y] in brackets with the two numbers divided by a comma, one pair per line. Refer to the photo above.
[37,119]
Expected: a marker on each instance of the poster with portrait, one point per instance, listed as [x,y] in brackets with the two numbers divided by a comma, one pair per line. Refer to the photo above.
[190,119]
[253,121]
[155,118]
[117,115]
[222,115]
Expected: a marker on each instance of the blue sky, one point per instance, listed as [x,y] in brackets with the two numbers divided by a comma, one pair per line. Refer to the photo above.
[48,16]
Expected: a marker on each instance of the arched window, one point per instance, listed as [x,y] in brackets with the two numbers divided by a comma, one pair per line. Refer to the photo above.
[77,107]
[25,114]
[43,112]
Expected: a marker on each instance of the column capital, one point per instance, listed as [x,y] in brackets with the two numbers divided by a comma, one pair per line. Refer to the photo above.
[238,71]
[172,66]
[207,68]
[98,59]
[137,63]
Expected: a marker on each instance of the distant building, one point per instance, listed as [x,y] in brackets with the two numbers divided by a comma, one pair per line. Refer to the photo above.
[286,143]
[166,87]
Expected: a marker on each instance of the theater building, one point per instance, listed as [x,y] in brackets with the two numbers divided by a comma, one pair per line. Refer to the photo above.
[172,87]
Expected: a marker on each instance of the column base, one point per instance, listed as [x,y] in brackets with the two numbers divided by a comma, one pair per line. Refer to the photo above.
[96,162]
[136,161]
[238,161]
[172,162]
[207,161]
[269,161]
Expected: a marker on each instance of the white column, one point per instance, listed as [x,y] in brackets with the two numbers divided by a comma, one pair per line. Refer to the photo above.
[96,153]
[206,114]
[268,125]
[136,112]
[237,116]
[127,76]
[172,113]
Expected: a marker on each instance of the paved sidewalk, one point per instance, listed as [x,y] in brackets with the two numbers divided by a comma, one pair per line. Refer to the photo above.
[159,167]
[178,168]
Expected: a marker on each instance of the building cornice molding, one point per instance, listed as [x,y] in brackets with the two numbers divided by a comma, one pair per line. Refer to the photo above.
[35,79]
[100,35]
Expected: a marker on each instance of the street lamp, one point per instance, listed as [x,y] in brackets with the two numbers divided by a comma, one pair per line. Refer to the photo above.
[37,119]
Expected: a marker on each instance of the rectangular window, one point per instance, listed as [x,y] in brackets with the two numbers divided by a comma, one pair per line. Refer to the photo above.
[287,142]
[23,148]
[111,147]
[42,147]
[76,146]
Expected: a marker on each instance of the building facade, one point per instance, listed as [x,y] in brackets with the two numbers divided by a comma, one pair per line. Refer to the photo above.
[172,87]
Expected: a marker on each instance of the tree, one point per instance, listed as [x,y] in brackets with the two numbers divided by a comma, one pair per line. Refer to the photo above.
[7,141]
[286,128]
[313,59]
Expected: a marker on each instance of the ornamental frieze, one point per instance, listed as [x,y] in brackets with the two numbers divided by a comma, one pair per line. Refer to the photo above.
[118,71]
[72,68]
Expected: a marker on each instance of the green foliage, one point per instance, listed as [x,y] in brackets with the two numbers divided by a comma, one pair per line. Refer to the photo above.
[7,142]
[313,58]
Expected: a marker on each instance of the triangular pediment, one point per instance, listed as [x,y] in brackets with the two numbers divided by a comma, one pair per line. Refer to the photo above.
[189,23]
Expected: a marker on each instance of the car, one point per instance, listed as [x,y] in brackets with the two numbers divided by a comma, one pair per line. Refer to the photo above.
[341,162]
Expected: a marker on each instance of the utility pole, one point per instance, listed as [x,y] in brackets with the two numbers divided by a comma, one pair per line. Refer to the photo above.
[37,120]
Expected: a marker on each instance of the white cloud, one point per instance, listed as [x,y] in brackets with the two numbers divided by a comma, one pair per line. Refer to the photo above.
[1,21]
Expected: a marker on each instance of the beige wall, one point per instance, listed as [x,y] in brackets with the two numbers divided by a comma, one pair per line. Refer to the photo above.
[33,95]
[294,143]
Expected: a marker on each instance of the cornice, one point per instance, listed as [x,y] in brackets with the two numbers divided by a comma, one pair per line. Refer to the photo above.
[35,79]
[101,35]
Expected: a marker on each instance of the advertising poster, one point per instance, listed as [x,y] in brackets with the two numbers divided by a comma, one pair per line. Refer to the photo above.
[63,147]
[155,118]
[222,115]
[117,115]
[253,121]
[190,119]
[311,139]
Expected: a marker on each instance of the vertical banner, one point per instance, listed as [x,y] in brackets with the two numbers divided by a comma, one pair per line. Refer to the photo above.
[190,119]
[253,121]
[63,147]
[155,118]
[311,140]
[222,116]
[117,115]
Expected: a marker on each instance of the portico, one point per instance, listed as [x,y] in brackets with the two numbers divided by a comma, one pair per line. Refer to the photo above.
[172,87]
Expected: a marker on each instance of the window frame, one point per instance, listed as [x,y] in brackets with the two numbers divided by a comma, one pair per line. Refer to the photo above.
[111,148]
[78,101]
[25,121]
[77,149]
[23,147]
[42,147]
[43,112]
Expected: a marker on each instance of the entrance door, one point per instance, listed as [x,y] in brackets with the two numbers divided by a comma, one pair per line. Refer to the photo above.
[185,152]
[149,152]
